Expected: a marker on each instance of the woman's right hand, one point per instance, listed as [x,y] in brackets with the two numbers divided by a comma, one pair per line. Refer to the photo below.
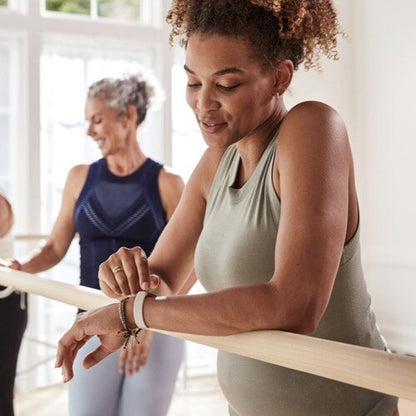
[126,272]
[135,355]
[14,264]
[103,322]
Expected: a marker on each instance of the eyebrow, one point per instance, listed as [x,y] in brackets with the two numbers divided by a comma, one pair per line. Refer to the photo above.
[225,71]
[94,115]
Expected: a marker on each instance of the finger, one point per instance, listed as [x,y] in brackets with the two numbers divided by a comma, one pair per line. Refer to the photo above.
[117,263]
[109,292]
[95,357]
[67,371]
[68,347]
[12,264]
[137,358]
[122,361]
[154,282]
[107,279]
[143,267]
[130,271]
[122,281]
[130,359]
[144,354]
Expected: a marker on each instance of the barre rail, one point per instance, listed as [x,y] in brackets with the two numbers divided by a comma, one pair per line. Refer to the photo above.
[381,371]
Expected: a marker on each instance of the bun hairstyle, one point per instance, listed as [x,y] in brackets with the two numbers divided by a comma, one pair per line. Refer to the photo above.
[299,30]
[137,90]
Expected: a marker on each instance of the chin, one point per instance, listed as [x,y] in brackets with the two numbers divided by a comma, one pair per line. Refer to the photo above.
[217,142]
[104,152]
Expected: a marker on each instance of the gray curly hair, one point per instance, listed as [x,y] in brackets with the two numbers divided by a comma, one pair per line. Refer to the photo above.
[137,90]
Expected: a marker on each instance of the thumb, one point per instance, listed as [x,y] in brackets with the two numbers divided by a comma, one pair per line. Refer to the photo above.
[95,357]
[14,264]
[154,282]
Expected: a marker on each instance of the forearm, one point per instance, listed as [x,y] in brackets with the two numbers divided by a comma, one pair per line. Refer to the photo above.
[165,289]
[41,260]
[225,312]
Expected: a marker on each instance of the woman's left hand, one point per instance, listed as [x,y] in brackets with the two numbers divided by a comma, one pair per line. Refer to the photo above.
[105,323]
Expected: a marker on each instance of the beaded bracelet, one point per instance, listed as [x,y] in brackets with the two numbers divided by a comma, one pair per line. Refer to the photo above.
[127,331]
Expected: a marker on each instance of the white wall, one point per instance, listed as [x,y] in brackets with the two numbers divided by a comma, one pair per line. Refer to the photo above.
[372,86]
[386,64]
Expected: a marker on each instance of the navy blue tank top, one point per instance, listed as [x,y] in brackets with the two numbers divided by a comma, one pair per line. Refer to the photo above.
[117,211]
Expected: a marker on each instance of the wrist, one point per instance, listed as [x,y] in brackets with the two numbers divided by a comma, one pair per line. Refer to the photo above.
[130,312]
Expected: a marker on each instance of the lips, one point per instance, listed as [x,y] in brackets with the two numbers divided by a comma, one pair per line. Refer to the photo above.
[211,126]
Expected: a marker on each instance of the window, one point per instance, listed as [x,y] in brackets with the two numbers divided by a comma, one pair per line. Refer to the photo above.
[145,12]
[187,142]
[4,116]
[48,57]
[9,97]
[11,4]
[67,71]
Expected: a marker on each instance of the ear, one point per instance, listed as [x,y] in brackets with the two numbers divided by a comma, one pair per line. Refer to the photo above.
[283,76]
[131,115]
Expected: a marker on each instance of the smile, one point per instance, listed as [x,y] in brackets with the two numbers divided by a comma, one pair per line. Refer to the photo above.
[211,127]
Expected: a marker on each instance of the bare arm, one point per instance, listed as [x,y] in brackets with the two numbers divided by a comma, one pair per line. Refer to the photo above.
[172,257]
[63,230]
[6,216]
[170,190]
[312,170]
[311,175]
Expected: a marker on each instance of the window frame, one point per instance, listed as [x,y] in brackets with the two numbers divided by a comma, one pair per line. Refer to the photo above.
[27,21]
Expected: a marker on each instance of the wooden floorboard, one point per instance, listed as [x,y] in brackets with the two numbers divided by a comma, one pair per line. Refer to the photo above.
[201,397]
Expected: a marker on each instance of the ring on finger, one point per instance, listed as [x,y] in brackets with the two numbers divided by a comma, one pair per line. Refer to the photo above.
[117,269]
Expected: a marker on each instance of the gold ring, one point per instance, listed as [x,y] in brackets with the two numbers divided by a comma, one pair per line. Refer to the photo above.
[117,269]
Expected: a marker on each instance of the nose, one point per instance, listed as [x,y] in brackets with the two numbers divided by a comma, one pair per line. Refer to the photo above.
[90,130]
[206,100]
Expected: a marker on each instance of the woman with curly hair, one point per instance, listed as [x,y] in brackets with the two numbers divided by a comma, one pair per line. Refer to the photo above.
[269,216]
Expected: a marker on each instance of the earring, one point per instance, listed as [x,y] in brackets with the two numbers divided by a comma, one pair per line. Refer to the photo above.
[277,95]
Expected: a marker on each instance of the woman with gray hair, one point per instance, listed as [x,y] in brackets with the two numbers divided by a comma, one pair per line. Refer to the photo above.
[122,200]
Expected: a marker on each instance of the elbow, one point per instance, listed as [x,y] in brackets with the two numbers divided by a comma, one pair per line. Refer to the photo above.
[306,321]
[307,326]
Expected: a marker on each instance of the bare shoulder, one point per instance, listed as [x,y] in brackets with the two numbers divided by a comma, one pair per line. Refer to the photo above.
[312,118]
[76,180]
[5,209]
[206,169]
[6,216]
[78,172]
[310,126]
[169,179]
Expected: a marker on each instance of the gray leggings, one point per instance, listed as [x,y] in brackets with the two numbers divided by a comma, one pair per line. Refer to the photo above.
[102,391]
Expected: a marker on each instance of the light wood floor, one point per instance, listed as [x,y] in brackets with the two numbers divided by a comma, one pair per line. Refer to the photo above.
[201,397]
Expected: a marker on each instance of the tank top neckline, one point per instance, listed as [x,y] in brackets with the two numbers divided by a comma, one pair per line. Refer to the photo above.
[136,172]
[238,193]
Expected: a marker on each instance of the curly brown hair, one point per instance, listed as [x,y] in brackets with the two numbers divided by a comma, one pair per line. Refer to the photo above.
[299,30]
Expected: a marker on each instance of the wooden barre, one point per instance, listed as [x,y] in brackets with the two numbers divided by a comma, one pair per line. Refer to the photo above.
[30,237]
[381,371]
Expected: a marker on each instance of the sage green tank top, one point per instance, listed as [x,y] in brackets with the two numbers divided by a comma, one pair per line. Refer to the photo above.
[236,247]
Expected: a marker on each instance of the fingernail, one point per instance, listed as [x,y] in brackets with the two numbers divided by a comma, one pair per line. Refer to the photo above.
[145,286]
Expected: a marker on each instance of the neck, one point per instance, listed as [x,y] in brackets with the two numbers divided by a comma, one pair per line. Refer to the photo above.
[126,160]
[252,146]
